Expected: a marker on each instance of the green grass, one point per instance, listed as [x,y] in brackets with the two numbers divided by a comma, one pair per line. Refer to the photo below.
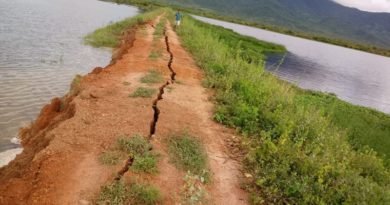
[155,54]
[299,149]
[144,159]
[110,35]
[143,92]
[153,77]
[365,127]
[187,153]
[142,194]
[159,31]
[146,163]
[118,193]
[113,194]
[135,145]
[112,157]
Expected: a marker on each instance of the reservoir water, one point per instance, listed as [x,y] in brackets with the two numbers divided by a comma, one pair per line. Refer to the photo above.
[41,50]
[357,77]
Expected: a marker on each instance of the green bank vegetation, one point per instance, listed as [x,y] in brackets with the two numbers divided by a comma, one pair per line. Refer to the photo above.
[110,35]
[149,4]
[299,150]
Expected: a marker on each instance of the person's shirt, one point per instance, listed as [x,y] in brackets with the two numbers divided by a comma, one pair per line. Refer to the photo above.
[178,16]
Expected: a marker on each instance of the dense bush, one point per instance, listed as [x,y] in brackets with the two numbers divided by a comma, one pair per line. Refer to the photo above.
[297,154]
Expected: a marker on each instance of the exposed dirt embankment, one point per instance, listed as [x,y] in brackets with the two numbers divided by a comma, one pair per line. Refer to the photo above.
[24,176]
[59,164]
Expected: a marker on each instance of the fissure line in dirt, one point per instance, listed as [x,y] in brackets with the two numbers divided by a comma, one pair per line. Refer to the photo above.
[156,110]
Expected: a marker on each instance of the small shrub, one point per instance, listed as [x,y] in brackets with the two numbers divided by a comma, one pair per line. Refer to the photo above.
[153,77]
[143,92]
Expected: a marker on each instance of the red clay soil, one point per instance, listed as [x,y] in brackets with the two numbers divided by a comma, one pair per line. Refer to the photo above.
[59,164]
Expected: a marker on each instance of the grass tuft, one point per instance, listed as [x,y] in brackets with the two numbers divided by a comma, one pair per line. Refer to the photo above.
[153,77]
[155,54]
[135,145]
[143,92]
[112,157]
[143,194]
[118,193]
[113,194]
[144,159]
[187,153]
[146,163]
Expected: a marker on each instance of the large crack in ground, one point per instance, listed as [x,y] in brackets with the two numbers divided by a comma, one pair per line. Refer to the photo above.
[156,109]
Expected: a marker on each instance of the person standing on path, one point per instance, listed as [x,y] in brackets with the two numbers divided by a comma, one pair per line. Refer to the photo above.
[178,18]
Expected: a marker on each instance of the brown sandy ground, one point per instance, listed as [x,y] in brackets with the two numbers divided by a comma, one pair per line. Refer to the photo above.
[59,164]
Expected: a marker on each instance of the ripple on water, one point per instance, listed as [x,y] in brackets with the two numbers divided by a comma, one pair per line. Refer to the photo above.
[41,52]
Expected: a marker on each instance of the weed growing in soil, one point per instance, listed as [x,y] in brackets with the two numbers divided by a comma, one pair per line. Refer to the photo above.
[143,92]
[143,194]
[144,159]
[153,77]
[118,193]
[188,154]
[159,32]
[113,194]
[112,157]
[146,163]
[155,54]
[135,145]
[193,191]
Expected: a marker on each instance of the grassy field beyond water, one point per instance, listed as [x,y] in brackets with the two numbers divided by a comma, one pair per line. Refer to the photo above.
[303,147]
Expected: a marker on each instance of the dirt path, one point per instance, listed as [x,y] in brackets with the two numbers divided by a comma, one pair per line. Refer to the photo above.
[60,164]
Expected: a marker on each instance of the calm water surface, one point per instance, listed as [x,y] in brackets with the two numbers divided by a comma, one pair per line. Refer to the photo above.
[357,77]
[41,50]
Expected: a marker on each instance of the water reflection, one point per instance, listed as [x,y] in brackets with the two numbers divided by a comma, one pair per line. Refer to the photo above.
[357,77]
